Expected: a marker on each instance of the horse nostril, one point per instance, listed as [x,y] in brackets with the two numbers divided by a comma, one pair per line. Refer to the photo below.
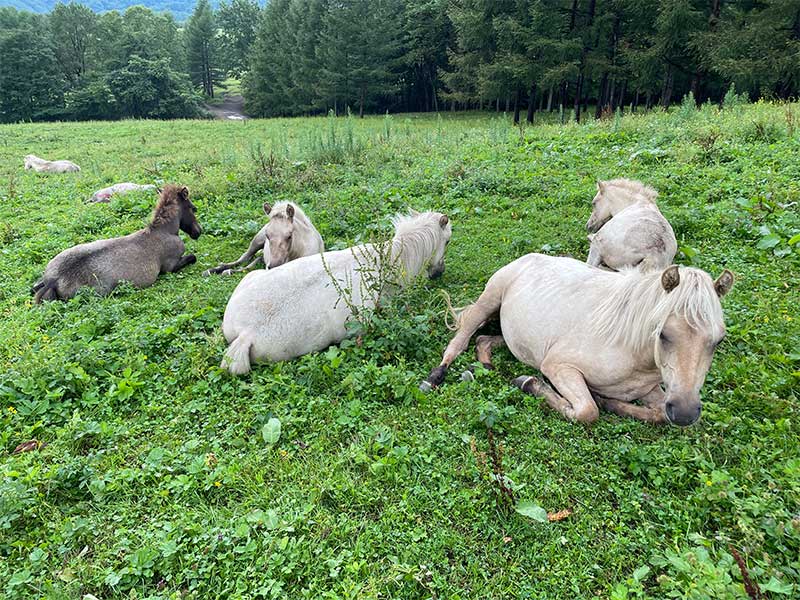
[669,408]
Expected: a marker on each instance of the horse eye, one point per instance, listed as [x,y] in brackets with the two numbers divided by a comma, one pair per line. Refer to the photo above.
[664,339]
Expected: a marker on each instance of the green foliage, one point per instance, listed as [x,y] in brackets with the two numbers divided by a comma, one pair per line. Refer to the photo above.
[155,478]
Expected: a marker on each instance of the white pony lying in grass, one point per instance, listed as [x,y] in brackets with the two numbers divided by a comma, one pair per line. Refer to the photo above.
[631,231]
[50,166]
[304,306]
[289,234]
[601,338]
[105,194]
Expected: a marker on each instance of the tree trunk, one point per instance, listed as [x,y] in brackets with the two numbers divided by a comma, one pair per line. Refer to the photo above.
[361,103]
[508,103]
[612,95]
[578,91]
[621,102]
[517,96]
[648,101]
[433,95]
[497,105]
[636,101]
[601,96]
[531,106]
[550,106]
[666,94]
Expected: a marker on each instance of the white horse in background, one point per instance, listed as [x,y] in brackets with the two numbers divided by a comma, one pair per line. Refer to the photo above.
[601,337]
[289,234]
[630,230]
[304,306]
[105,194]
[50,166]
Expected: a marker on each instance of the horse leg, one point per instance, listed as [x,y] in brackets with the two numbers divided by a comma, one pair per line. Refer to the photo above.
[256,244]
[651,412]
[594,259]
[471,320]
[626,409]
[574,401]
[252,265]
[484,344]
[188,259]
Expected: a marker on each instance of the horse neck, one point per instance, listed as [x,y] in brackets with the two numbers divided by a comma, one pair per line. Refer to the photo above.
[626,314]
[170,227]
[410,251]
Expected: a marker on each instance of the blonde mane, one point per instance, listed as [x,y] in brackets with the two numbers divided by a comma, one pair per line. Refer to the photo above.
[631,187]
[634,313]
[416,238]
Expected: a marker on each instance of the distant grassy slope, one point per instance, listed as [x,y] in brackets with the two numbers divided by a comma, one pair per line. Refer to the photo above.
[156,481]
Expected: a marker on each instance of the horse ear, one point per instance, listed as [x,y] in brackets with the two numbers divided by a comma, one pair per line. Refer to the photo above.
[267,208]
[290,211]
[443,221]
[590,237]
[601,186]
[184,193]
[670,278]
[724,283]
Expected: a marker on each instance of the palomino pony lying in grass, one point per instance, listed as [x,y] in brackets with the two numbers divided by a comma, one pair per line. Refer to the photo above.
[50,166]
[304,306]
[289,234]
[631,231]
[600,337]
[138,257]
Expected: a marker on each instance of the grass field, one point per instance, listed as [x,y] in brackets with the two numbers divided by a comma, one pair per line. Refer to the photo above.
[161,476]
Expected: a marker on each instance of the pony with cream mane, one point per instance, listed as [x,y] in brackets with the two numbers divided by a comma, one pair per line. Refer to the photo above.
[304,306]
[601,338]
[626,228]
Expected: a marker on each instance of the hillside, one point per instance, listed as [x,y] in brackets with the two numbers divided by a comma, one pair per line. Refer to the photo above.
[159,475]
[181,9]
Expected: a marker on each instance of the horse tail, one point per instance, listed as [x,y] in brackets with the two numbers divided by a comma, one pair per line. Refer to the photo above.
[45,289]
[237,356]
[452,315]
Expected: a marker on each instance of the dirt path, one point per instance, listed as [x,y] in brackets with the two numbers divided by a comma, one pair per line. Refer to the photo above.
[231,108]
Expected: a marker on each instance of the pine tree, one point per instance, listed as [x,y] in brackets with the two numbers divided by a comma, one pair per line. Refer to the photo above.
[201,48]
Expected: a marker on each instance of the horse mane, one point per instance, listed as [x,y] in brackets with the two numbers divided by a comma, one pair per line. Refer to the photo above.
[635,312]
[634,188]
[168,206]
[416,236]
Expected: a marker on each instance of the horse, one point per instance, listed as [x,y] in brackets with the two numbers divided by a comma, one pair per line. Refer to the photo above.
[138,257]
[601,338]
[303,307]
[627,229]
[50,166]
[105,194]
[289,234]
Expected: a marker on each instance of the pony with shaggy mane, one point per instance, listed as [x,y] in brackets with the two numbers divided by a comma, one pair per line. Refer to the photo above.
[138,257]
[305,305]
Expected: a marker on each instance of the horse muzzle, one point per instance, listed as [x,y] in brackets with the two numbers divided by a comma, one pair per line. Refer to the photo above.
[195,232]
[682,414]
[436,272]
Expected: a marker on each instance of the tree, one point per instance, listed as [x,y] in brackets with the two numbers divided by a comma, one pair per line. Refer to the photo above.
[29,77]
[201,48]
[72,27]
[238,23]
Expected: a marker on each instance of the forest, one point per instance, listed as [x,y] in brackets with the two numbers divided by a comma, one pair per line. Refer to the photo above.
[305,57]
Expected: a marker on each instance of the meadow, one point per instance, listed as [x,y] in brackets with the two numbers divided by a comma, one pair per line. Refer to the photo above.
[160,476]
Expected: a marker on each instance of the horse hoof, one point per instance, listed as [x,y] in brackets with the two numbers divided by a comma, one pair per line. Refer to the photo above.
[227,272]
[525,382]
[467,376]
[206,273]
[425,387]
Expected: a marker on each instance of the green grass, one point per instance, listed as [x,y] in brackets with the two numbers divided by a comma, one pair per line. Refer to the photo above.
[156,482]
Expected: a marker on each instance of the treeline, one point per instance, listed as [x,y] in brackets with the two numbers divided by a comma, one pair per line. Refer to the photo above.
[312,56]
[74,64]
[299,57]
